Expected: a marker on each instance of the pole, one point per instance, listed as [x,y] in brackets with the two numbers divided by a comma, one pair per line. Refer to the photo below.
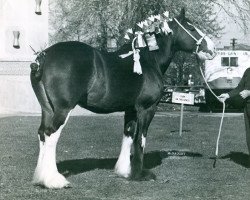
[181,119]
[233,43]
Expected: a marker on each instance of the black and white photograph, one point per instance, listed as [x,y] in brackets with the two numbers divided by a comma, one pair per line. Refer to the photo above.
[124,99]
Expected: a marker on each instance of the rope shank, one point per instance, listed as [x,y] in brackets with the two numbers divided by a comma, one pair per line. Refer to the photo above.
[222,117]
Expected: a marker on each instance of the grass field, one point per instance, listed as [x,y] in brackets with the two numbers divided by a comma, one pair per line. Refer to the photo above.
[90,145]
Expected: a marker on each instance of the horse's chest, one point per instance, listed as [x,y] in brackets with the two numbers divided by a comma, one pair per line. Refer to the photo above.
[151,92]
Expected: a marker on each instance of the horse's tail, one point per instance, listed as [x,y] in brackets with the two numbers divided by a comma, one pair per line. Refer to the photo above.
[37,84]
[37,68]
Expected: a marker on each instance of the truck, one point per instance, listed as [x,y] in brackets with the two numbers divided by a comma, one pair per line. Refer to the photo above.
[223,73]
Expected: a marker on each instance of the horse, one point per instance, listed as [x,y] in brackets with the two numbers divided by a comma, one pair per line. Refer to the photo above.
[74,73]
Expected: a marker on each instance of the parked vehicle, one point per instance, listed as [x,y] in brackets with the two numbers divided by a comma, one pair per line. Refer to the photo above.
[223,73]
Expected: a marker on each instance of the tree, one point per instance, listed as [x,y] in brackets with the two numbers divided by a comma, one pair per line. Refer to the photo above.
[238,11]
[96,21]
[92,21]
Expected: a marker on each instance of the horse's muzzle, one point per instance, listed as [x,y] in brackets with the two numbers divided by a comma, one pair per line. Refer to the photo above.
[206,55]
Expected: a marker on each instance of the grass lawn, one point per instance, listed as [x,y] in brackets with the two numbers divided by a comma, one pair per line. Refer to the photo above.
[89,146]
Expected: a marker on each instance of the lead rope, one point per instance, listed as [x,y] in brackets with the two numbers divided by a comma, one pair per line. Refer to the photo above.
[221,121]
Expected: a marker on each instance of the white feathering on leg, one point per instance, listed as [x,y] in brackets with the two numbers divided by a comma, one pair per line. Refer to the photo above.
[46,172]
[123,165]
[37,179]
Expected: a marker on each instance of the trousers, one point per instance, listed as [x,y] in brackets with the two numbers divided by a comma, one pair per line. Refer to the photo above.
[247,124]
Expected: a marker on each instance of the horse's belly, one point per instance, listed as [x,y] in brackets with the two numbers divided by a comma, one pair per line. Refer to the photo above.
[115,93]
[108,103]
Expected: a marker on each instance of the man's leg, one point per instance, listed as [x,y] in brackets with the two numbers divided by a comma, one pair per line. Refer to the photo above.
[247,124]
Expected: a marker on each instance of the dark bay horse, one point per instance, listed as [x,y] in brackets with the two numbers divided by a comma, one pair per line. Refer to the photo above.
[73,73]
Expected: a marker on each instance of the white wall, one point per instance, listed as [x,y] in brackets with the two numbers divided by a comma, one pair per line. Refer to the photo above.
[19,15]
[16,93]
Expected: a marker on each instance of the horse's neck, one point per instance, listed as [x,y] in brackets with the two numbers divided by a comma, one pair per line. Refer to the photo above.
[166,52]
[161,58]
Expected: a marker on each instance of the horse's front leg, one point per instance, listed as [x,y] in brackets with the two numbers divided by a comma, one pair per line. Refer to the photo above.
[144,118]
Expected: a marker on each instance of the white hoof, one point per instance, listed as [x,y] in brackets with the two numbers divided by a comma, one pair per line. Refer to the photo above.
[122,169]
[55,181]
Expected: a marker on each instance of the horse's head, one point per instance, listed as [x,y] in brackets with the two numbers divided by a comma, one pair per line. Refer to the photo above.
[191,39]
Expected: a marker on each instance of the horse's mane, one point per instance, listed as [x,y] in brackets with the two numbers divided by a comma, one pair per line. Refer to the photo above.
[154,25]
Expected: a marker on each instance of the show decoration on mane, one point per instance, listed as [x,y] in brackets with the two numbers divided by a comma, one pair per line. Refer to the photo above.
[145,36]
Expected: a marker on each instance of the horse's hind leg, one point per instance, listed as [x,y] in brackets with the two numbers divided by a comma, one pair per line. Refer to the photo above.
[46,172]
[46,118]
[123,166]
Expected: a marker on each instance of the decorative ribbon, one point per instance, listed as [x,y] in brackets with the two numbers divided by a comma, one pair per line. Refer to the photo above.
[136,57]
[152,18]
[153,24]
[126,54]
[140,43]
[127,37]
[152,43]
[129,32]
[158,17]
[145,23]
[140,24]
[166,14]
[137,64]
[165,28]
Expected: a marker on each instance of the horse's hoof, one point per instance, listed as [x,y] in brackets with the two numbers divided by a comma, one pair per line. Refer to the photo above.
[144,175]
[57,181]
[122,170]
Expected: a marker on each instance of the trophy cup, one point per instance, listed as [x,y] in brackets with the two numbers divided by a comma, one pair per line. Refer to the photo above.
[16,39]
[38,7]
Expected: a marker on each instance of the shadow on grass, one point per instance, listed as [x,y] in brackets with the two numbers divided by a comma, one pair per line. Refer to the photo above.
[151,160]
[183,131]
[238,158]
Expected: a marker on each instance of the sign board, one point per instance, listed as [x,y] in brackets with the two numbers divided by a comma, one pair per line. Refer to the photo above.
[183,98]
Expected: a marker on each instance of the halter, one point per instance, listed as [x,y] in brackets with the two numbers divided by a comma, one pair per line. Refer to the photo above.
[198,42]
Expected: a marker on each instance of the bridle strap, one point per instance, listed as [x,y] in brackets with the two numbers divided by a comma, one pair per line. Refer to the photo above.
[185,30]
[198,42]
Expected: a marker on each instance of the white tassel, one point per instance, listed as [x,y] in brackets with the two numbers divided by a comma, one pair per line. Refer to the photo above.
[137,64]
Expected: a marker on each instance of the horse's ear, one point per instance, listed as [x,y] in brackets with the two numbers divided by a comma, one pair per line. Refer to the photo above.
[182,14]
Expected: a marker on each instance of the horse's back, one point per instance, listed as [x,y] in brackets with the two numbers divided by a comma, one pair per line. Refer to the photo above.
[70,51]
